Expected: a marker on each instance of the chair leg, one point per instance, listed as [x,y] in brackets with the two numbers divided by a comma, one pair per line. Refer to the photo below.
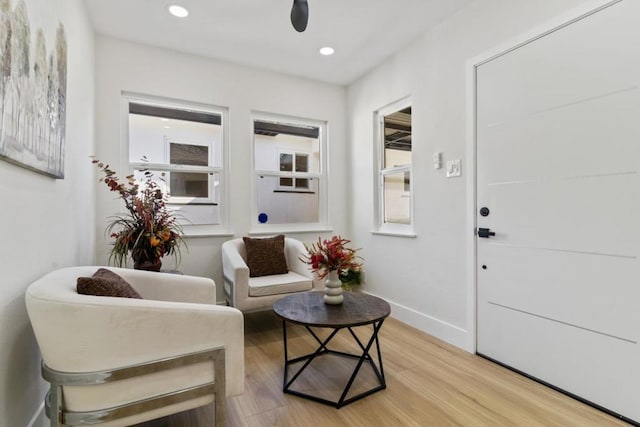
[220,409]
[52,405]
[221,389]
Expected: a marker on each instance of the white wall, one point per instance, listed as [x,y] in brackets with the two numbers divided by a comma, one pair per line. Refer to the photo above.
[45,223]
[128,67]
[425,277]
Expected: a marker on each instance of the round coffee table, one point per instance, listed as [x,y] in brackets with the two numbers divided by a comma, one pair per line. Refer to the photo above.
[309,310]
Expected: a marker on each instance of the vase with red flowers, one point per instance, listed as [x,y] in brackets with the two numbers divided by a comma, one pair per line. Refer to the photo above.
[328,259]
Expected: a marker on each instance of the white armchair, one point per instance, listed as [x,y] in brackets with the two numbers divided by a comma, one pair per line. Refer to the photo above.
[121,361]
[259,293]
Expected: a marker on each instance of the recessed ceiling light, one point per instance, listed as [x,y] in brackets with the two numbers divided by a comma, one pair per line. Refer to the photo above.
[327,51]
[178,11]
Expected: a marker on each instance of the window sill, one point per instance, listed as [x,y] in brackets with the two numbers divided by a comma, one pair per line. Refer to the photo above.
[202,230]
[284,229]
[174,203]
[409,234]
[209,234]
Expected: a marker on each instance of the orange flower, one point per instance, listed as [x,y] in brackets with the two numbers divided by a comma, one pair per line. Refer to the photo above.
[154,241]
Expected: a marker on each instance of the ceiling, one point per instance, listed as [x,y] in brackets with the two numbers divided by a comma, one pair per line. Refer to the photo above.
[259,33]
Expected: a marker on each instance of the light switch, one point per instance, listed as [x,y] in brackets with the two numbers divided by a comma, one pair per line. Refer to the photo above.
[453,168]
[437,160]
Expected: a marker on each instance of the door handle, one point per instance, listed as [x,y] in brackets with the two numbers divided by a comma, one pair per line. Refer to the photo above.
[485,233]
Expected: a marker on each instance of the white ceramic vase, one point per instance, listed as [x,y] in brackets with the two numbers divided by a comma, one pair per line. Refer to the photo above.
[333,288]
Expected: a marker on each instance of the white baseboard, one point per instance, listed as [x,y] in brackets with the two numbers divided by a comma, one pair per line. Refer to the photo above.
[39,417]
[438,328]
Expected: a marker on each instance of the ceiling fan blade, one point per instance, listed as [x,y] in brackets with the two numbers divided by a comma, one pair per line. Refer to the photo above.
[300,15]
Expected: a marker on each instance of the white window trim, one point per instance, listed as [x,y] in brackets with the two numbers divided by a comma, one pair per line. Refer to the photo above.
[323,210]
[190,230]
[380,227]
[209,170]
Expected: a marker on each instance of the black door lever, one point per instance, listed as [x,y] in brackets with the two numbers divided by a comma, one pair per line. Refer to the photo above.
[485,232]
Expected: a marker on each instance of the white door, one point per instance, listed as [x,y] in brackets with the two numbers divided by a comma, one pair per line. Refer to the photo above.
[558,160]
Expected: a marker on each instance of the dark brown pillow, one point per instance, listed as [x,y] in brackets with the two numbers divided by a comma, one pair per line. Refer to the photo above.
[106,283]
[265,256]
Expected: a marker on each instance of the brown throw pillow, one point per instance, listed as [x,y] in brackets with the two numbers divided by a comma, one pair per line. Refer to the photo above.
[265,256]
[106,283]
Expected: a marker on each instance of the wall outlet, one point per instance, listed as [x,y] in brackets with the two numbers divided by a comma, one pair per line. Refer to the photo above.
[453,168]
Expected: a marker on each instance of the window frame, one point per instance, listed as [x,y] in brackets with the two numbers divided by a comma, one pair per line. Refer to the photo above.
[221,170]
[295,175]
[169,167]
[321,176]
[209,170]
[380,172]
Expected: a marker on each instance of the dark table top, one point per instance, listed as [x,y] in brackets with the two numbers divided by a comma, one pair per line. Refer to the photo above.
[309,308]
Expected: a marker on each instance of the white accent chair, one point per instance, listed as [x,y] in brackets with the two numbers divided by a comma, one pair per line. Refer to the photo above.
[259,293]
[121,361]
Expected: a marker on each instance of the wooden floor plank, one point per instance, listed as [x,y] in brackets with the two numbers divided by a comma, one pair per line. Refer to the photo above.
[429,383]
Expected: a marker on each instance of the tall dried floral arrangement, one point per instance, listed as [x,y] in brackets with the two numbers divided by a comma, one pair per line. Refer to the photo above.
[149,230]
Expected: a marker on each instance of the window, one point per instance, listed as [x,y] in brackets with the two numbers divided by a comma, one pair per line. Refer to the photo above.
[290,162]
[189,186]
[393,180]
[183,145]
[290,182]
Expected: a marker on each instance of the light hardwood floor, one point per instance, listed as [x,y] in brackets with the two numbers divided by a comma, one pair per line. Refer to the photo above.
[429,383]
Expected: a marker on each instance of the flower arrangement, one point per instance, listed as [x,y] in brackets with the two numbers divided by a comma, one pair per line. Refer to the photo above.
[332,255]
[149,230]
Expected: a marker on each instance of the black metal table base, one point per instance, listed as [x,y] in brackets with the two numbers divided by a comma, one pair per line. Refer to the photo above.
[323,349]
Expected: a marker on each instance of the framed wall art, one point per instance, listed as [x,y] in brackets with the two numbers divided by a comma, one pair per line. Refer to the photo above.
[33,89]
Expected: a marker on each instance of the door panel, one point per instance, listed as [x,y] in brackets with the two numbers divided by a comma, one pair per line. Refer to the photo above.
[594,214]
[559,138]
[528,286]
[558,161]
